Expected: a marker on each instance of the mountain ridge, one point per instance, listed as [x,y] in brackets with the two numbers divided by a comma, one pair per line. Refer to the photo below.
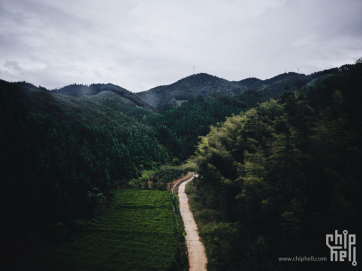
[78,90]
[204,84]
[157,98]
[72,109]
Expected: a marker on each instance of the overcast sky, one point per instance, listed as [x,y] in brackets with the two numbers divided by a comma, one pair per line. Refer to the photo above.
[143,44]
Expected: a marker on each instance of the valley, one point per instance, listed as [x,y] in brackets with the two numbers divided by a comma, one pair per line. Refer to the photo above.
[89,168]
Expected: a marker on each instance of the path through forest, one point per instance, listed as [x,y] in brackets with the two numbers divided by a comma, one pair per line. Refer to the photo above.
[195,248]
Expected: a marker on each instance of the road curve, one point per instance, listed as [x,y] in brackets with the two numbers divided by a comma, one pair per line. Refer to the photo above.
[195,248]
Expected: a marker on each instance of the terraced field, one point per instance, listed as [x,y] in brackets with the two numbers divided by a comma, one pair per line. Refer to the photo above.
[137,232]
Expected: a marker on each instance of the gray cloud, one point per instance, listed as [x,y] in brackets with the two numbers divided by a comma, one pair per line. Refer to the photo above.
[142,44]
[12,65]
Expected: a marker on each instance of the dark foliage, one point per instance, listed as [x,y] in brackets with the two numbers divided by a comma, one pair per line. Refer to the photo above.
[275,179]
[58,172]
[179,128]
[284,175]
[186,88]
[93,89]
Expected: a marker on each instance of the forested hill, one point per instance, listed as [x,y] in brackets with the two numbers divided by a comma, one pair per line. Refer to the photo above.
[60,156]
[72,109]
[94,89]
[191,86]
[279,177]
[204,84]
[275,172]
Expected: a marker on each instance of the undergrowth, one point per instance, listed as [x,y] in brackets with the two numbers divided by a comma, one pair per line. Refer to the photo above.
[216,234]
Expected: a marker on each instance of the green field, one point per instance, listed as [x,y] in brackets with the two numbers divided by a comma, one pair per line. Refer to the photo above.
[137,232]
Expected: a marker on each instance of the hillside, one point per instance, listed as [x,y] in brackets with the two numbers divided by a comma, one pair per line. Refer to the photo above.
[205,84]
[60,159]
[279,177]
[140,104]
[273,172]
[120,104]
[94,89]
[191,86]
[273,87]
[72,109]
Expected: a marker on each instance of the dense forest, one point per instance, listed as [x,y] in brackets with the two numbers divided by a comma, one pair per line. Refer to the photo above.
[279,159]
[279,177]
[77,90]
[53,171]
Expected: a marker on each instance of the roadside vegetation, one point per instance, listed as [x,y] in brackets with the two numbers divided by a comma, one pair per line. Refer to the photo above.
[218,235]
[160,178]
[279,177]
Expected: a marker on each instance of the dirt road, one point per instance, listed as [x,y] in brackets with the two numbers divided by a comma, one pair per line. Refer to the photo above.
[195,248]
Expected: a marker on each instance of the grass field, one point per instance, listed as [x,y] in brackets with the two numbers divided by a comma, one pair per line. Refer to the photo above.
[137,232]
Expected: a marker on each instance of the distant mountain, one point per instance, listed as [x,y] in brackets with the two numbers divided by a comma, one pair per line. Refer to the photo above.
[120,104]
[143,103]
[191,86]
[205,84]
[92,90]
[71,108]
[248,82]
[273,87]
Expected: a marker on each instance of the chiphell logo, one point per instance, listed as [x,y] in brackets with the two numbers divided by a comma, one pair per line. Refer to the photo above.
[344,246]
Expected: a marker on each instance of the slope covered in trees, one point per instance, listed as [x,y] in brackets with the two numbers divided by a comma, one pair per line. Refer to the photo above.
[191,86]
[120,104]
[273,176]
[179,128]
[93,89]
[279,177]
[204,84]
[57,172]
[52,127]
[71,109]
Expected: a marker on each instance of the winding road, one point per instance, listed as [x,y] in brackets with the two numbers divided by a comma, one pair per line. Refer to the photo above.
[195,248]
